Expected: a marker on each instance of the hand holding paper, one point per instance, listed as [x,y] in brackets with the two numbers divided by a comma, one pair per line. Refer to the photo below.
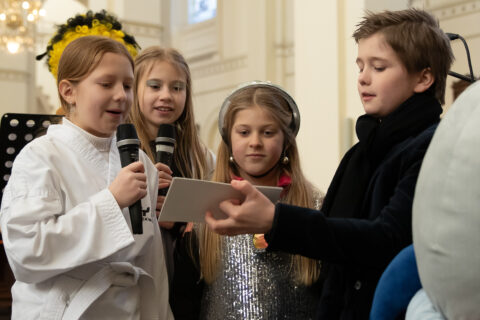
[253,215]
[188,200]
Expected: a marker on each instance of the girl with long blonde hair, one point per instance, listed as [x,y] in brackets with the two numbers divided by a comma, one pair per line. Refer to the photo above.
[258,123]
[163,95]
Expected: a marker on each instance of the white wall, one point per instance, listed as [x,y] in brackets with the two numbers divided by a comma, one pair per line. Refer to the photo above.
[16,83]
[317,61]
[58,11]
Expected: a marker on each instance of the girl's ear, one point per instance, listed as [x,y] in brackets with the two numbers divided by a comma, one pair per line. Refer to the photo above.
[67,91]
[425,79]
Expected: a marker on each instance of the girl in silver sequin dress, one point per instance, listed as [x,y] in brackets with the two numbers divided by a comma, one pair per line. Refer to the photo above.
[258,123]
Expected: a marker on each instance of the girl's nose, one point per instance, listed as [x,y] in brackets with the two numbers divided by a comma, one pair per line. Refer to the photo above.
[120,93]
[165,93]
[255,140]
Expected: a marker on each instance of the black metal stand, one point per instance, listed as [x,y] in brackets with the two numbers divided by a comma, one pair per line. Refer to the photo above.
[16,130]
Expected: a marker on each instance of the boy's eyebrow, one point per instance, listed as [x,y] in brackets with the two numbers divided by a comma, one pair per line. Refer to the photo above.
[371,59]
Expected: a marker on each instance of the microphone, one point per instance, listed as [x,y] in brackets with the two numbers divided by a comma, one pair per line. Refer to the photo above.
[164,147]
[452,36]
[471,79]
[127,144]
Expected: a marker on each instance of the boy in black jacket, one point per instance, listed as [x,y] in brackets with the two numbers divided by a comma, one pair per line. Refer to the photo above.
[403,60]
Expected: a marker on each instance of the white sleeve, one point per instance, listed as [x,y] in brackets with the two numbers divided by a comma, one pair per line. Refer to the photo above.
[41,238]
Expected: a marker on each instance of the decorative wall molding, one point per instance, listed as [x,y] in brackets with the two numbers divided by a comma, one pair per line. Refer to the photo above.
[199,40]
[137,29]
[284,50]
[14,75]
[447,9]
[143,29]
[219,67]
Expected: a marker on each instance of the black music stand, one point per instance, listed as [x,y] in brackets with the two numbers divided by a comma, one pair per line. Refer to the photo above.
[16,130]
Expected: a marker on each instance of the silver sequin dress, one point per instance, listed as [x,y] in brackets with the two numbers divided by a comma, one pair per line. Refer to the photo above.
[256,284]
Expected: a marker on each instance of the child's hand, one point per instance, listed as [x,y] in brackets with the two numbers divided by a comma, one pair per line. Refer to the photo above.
[130,184]
[166,224]
[254,215]
[160,201]
[164,175]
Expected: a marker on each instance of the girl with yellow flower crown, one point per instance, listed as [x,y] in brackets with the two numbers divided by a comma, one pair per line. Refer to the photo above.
[258,123]
[64,216]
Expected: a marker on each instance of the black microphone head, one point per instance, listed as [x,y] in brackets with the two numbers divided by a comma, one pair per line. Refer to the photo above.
[127,135]
[126,131]
[166,134]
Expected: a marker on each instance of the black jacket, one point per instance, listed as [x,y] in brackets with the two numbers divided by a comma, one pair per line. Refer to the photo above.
[355,251]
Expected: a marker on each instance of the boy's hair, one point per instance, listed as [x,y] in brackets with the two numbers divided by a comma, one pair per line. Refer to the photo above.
[300,192]
[82,56]
[417,39]
[190,153]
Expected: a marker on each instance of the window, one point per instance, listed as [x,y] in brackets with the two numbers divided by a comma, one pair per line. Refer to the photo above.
[201,10]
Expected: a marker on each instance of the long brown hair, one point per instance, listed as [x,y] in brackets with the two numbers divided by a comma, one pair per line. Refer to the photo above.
[300,191]
[190,153]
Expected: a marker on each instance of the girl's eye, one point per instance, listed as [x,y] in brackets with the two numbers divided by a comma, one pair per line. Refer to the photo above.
[106,84]
[243,132]
[179,87]
[379,69]
[127,86]
[153,84]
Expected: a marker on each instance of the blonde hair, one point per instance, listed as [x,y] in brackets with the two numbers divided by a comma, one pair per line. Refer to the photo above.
[82,56]
[300,192]
[190,153]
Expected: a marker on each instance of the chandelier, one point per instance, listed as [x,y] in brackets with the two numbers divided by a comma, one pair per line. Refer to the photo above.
[17,23]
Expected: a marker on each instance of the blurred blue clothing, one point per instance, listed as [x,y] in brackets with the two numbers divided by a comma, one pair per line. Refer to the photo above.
[396,287]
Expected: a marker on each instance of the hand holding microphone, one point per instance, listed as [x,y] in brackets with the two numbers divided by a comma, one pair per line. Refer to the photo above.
[131,183]
[164,175]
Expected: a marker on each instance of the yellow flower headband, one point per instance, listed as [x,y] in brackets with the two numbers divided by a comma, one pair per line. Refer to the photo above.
[89,24]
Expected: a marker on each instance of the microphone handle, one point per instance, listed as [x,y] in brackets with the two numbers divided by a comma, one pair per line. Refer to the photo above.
[129,155]
[136,217]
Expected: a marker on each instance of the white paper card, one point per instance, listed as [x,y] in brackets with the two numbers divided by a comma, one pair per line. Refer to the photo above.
[188,200]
